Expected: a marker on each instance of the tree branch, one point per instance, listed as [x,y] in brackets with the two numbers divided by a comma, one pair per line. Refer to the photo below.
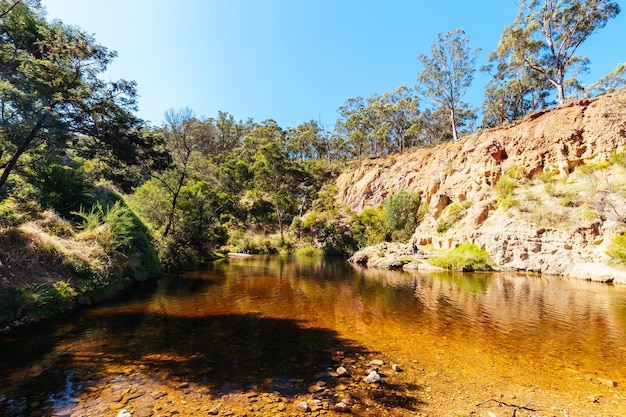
[514,406]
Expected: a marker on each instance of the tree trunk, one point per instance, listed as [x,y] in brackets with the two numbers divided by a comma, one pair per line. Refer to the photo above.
[8,167]
[175,194]
[453,121]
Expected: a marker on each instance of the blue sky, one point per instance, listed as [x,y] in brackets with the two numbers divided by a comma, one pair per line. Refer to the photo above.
[292,60]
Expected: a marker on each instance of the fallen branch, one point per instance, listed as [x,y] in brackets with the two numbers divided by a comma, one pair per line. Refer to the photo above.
[514,406]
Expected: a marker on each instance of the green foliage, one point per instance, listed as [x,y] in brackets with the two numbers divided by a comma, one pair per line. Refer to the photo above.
[466,257]
[447,73]
[451,215]
[328,231]
[617,248]
[37,301]
[51,94]
[368,227]
[529,42]
[618,158]
[60,187]
[401,214]
[309,251]
[112,227]
[505,192]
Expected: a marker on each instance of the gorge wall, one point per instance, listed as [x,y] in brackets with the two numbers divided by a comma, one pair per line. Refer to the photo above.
[559,219]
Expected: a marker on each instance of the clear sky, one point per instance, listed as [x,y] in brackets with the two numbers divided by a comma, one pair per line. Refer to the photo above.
[292,60]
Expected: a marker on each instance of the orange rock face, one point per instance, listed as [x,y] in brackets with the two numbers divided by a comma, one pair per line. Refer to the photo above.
[552,143]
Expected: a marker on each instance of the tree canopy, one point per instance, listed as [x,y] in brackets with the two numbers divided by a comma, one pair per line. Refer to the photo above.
[547,33]
[51,96]
[447,73]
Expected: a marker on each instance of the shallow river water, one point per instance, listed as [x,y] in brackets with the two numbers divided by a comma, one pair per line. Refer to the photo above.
[274,326]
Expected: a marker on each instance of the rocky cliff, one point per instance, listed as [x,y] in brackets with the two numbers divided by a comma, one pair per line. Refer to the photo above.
[566,203]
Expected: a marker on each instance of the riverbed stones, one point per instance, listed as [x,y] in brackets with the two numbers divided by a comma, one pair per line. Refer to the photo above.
[372,377]
[342,372]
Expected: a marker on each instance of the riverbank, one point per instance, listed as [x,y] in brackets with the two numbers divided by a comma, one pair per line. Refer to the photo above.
[49,265]
[545,194]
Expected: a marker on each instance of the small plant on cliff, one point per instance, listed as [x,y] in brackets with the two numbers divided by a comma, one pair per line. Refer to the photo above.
[617,248]
[504,189]
[465,257]
[452,215]
[401,214]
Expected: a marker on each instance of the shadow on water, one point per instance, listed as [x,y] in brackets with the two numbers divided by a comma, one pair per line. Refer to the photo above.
[220,354]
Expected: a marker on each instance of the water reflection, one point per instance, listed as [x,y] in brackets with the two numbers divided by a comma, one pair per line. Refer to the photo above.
[267,322]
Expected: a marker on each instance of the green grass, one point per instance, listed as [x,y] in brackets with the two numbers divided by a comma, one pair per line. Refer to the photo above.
[309,251]
[617,248]
[465,257]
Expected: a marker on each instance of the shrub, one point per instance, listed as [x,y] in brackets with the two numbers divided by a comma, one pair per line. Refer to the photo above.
[61,188]
[37,301]
[504,190]
[401,214]
[466,257]
[451,215]
[309,251]
[368,227]
[617,248]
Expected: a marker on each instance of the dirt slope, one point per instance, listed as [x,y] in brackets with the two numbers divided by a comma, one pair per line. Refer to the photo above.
[559,219]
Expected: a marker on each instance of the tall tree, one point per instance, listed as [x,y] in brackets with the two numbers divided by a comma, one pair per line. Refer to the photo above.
[355,125]
[512,93]
[546,34]
[185,139]
[278,179]
[396,117]
[447,73]
[50,93]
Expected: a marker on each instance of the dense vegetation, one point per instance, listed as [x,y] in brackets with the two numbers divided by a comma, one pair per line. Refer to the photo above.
[78,168]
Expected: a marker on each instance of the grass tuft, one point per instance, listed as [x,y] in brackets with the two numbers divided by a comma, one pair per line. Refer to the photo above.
[465,257]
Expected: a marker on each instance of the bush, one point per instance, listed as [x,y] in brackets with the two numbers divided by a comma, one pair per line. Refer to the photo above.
[368,227]
[617,248]
[61,188]
[309,251]
[37,301]
[451,215]
[465,257]
[401,214]
[504,190]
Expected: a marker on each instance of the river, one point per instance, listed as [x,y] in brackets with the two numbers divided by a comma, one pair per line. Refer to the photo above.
[272,331]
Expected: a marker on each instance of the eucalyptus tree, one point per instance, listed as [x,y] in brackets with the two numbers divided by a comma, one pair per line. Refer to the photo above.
[187,140]
[546,34]
[381,124]
[51,96]
[305,141]
[356,126]
[277,180]
[612,81]
[447,73]
[397,117]
[512,93]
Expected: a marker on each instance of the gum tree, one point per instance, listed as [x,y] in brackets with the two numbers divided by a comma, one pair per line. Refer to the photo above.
[447,73]
[546,34]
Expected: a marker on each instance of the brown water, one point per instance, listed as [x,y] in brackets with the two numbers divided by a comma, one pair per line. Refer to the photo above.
[272,324]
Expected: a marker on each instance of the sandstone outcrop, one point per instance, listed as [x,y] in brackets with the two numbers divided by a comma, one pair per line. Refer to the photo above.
[562,219]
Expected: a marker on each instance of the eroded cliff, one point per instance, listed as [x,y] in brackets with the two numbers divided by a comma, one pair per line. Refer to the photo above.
[567,203]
